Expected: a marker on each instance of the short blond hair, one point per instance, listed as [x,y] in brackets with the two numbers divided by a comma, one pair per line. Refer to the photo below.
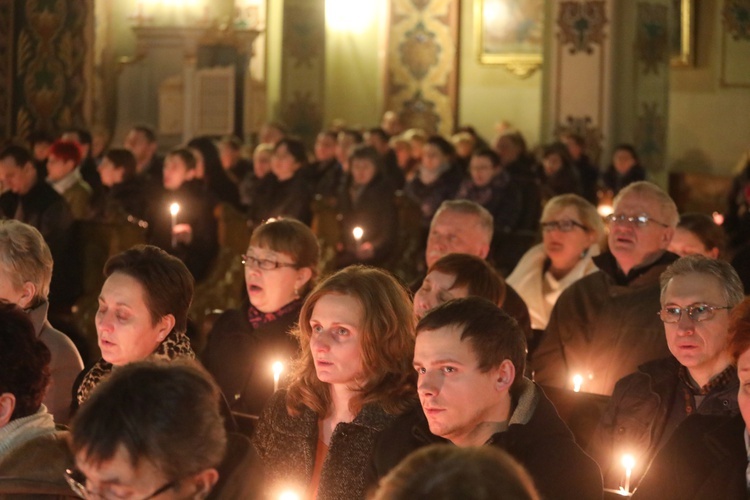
[586,211]
[646,189]
[25,257]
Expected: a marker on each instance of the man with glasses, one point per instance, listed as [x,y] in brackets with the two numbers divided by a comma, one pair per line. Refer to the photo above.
[605,325]
[647,406]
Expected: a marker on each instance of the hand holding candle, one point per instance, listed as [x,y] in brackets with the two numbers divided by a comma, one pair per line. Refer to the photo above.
[628,462]
[277,368]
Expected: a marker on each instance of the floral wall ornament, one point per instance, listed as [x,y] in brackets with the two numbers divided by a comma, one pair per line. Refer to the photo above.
[652,39]
[419,51]
[420,113]
[651,136]
[583,126]
[582,25]
[304,113]
[736,18]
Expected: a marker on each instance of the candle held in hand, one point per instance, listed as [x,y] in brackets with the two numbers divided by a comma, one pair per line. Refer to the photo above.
[174,209]
[277,368]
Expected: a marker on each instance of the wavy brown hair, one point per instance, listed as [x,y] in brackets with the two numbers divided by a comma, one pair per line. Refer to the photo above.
[387,342]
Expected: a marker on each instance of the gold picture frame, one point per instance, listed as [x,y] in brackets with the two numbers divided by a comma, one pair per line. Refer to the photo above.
[682,38]
[510,33]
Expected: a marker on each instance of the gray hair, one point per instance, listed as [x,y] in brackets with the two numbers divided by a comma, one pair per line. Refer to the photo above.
[721,270]
[25,257]
[466,207]
[650,190]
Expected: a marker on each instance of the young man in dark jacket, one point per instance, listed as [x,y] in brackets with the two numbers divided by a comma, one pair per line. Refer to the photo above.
[470,357]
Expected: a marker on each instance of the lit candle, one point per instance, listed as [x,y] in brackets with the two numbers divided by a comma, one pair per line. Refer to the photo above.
[174,209]
[358,232]
[628,462]
[605,209]
[277,367]
[718,218]
[577,382]
[288,495]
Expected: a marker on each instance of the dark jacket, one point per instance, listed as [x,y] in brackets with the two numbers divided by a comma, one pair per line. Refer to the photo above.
[706,459]
[240,358]
[374,210]
[197,209]
[501,199]
[46,210]
[737,217]
[129,197]
[636,419]
[287,446]
[290,198]
[615,181]
[430,196]
[540,441]
[604,325]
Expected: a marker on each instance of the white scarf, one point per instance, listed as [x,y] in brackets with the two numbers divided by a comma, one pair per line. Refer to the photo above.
[21,430]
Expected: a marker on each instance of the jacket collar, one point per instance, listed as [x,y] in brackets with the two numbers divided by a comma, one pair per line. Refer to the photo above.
[637,276]
[38,316]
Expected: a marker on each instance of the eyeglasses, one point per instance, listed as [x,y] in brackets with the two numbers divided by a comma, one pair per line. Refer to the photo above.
[633,220]
[696,312]
[249,261]
[565,225]
[77,480]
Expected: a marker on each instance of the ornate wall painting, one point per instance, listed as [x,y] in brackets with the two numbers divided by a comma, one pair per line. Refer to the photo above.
[682,33]
[735,43]
[510,33]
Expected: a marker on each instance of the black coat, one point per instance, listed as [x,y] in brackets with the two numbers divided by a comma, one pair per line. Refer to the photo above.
[544,446]
[637,417]
[240,358]
[290,198]
[706,459]
[615,181]
[430,196]
[287,445]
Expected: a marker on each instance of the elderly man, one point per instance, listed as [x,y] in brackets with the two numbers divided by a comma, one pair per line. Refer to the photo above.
[33,453]
[606,325]
[462,226]
[25,274]
[697,294]
[469,357]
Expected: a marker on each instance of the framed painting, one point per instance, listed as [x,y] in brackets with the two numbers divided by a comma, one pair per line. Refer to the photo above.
[510,33]
[682,34]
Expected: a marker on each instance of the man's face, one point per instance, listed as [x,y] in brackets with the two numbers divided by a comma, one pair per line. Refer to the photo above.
[632,245]
[455,232]
[139,145]
[456,397]
[700,346]
[19,180]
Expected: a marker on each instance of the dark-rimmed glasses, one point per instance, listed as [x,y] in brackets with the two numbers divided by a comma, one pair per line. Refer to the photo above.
[633,220]
[565,225]
[696,312]
[77,482]
[265,264]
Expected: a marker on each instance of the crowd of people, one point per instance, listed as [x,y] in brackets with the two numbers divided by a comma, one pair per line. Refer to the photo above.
[451,381]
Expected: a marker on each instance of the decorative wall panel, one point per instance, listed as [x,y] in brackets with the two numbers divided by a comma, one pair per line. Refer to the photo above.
[422,63]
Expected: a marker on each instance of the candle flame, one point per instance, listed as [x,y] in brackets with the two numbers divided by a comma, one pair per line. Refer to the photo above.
[288,495]
[605,209]
[358,232]
[277,368]
[628,461]
[174,208]
[577,382]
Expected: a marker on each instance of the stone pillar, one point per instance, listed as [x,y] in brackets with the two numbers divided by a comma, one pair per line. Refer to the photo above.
[608,77]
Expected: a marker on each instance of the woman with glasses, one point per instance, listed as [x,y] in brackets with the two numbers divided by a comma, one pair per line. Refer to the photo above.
[571,232]
[352,378]
[281,264]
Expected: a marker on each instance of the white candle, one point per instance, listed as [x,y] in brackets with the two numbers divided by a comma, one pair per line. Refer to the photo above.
[277,368]
[628,462]
[288,495]
[577,382]
[605,209]
[174,209]
[358,232]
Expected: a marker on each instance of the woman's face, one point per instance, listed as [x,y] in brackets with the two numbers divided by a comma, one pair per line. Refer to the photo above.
[176,172]
[437,288]
[271,289]
[109,173]
[262,163]
[552,163]
[362,171]
[336,339]
[685,242]
[283,164]
[432,157]
[508,150]
[565,248]
[481,170]
[123,321]
[623,160]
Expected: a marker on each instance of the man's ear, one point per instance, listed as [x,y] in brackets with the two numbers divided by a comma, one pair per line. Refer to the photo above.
[7,406]
[506,374]
[28,292]
[204,482]
[667,237]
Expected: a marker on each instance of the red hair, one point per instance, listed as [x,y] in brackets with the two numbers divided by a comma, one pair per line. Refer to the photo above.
[66,151]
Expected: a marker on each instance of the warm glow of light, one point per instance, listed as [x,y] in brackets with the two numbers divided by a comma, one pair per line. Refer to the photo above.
[628,461]
[577,382]
[289,495]
[495,13]
[277,368]
[358,232]
[349,15]
[174,208]
[718,218]
[605,210]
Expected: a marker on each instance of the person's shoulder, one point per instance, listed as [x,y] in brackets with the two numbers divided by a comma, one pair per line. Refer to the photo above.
[59,344]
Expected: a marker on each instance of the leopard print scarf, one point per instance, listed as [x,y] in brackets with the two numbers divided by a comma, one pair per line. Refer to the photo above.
[176,345]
